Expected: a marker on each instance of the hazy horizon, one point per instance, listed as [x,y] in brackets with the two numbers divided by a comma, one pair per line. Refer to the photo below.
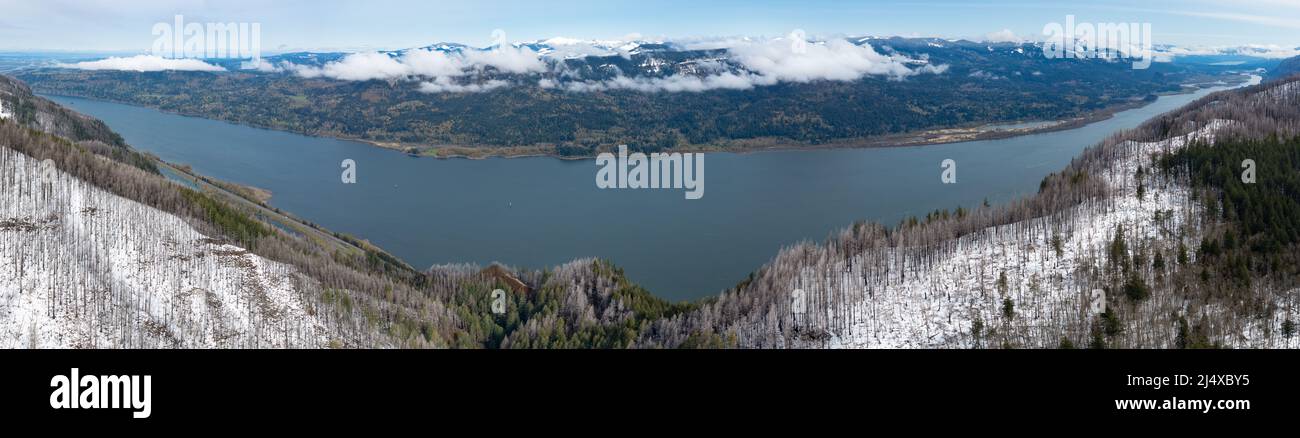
[106,26]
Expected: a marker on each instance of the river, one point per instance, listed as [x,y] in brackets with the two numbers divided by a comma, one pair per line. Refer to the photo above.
[538,212]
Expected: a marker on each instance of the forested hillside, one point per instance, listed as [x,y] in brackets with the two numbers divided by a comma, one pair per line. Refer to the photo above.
[106,254]
[1157,219]
[1287,68]
[50,117]
[112,256]
[570,108]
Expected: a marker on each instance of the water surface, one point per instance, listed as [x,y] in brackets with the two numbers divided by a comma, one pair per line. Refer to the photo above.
[540,212]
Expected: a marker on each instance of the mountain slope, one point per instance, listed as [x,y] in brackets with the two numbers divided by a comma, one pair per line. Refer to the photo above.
[1125,219]
[111,255]
[48,117]
[133,234]
[86,268]
[1287,68]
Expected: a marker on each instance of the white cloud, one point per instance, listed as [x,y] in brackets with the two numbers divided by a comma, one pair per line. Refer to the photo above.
[143,63]
[1003,36]
[748,64]
[672,84]
[423,64]
[447,85]
[981,74]
[260,65]
[836,60]
[506,59]
[768,63]
[357,67]
[1270,51]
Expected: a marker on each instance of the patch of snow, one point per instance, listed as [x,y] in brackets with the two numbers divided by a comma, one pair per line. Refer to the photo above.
[84,268]
[913,298]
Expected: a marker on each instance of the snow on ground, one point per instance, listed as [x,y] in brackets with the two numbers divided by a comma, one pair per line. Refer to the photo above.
[937,307]
[83,268]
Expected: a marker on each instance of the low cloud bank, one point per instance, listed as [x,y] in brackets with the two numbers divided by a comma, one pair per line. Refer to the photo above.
[1269,51]
[421,63]
[144,63]
[672,84]
[437,71]
[748,64]
[836,60]
[1003,36]
[771,62]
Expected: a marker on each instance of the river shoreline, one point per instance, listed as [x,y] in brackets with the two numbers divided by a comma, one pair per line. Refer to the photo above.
[929,137]
[542,212]
[741,146]
[937,136]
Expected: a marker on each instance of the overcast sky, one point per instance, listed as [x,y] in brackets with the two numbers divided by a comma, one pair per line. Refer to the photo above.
[126,25]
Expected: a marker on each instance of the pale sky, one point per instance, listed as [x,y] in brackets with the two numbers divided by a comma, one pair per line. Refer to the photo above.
[125,25]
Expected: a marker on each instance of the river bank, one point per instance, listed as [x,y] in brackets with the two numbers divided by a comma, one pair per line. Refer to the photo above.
[934,136]
[541,212]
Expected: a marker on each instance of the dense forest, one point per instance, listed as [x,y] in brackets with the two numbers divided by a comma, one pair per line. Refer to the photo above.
[981,83]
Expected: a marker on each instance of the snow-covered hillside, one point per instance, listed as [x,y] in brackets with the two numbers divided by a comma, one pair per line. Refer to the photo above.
[1107,255]
[890,300]
[80,267]
[937,307]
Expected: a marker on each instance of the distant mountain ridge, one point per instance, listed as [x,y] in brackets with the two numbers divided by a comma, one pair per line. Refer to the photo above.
[28,109]
[648,95]
[1287,68]
[576,48]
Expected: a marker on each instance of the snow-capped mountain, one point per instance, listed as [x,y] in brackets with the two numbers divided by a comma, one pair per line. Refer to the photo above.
[1262,51]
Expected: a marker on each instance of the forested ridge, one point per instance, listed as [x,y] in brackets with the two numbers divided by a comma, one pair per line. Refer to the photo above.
[1287,68]
[983,83]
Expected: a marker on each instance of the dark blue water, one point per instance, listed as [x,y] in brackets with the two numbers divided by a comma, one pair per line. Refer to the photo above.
[539,212]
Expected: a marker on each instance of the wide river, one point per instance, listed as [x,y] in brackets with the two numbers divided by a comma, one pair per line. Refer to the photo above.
[540,212]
